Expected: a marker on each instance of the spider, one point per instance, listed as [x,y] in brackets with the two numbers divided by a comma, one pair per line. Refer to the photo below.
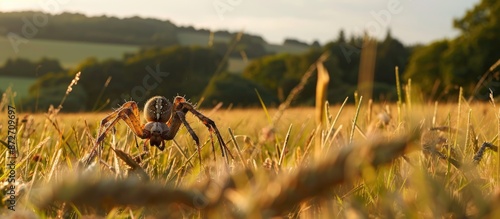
[163,120]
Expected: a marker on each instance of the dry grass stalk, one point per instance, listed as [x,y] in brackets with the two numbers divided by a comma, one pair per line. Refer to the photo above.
[5,98]
[283,150]
[238,150]
[310,182]
[297,89]
[69,89]
[321,91]
[434,144]
[108,193]
[483,78]
[134,166]
[367,67]
[55,162]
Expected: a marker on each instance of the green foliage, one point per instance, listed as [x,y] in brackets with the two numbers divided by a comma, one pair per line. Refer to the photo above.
[268,71]
[289,41]
[95,74]
[20,67]
[425,68]
[280,73]
[251,46]
[51,88]
[157,71]
[463,60]
[68,53]
[189,69]
[103,29]
[390,53]
[19,85]
[234,89]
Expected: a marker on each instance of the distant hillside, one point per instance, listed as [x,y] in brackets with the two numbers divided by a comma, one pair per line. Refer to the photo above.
[137,31]
[68,53]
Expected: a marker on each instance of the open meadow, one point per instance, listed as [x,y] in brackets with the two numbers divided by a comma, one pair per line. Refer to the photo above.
[411,160]
[68,53]
[17,84]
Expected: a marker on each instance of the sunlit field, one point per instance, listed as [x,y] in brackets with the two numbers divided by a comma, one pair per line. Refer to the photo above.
[16,84]
[35,49]
[412,160]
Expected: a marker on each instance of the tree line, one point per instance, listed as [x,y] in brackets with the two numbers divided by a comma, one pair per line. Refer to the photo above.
[442,67]
[469,62]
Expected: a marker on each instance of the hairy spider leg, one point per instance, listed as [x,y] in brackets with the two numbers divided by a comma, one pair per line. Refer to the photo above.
[128,112]
[207,122]
[182,116]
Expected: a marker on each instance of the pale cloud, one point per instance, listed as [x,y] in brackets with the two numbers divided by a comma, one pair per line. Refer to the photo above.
[9,5]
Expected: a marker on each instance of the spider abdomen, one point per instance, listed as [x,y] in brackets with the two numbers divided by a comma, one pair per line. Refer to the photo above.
[157,109]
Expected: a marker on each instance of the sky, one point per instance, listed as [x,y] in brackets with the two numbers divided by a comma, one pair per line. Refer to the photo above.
[410,21]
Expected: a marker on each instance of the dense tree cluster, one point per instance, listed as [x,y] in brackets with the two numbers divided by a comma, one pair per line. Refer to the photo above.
[290,41]
[25,68]
[236,90]
[158,71]
[442,67]
[280,73]
[252,46]
[78,27]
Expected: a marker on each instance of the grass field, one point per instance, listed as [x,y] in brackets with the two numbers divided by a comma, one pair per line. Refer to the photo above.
[390,164]
[69,54]
[19,85]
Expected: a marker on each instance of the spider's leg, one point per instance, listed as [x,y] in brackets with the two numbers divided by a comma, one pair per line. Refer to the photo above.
[213,146]
[182,117]
[493,147]
[128,112]
[145,145]
[132,118]
[100,134]
[162,146]
[211,127]
[105,125]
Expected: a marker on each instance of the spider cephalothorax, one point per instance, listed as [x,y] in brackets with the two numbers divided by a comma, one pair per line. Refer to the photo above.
[163,120]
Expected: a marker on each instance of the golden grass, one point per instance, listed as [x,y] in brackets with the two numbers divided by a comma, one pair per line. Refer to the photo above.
[382,173]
